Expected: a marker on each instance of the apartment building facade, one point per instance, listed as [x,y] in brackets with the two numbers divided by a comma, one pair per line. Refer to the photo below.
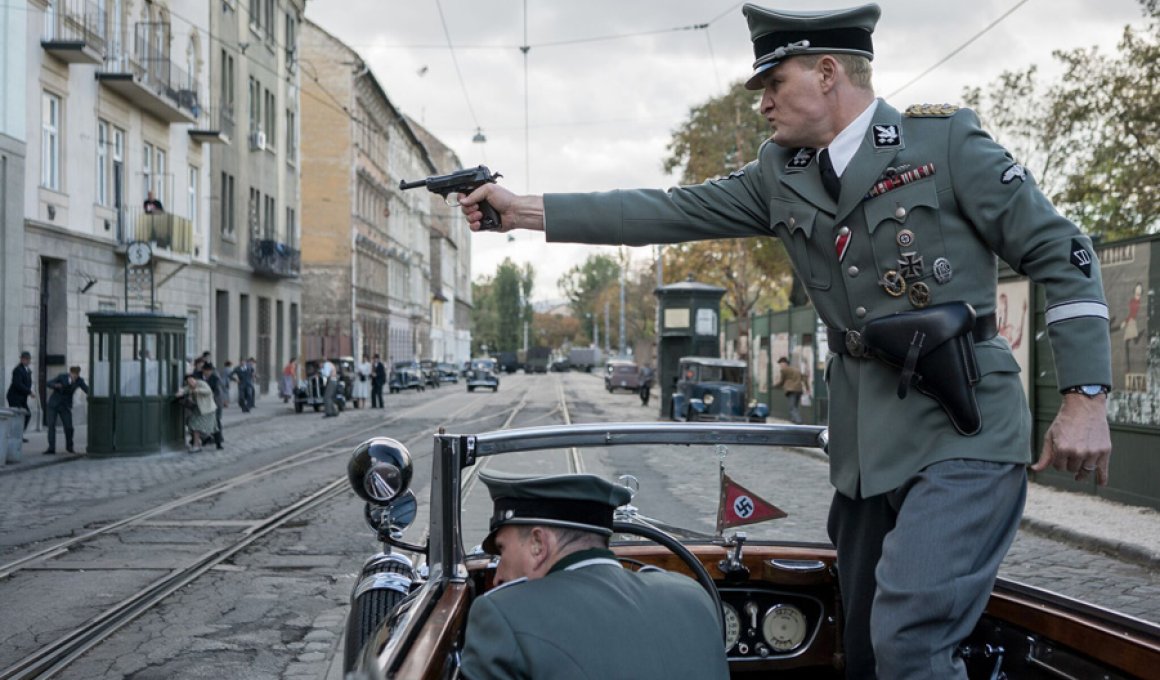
[366,244]
[255,184]
[450,263]
[125,134]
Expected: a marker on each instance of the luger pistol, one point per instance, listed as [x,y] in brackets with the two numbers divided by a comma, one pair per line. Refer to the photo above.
[461,182]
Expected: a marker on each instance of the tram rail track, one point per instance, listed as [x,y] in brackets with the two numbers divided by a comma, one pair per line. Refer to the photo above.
[67,648]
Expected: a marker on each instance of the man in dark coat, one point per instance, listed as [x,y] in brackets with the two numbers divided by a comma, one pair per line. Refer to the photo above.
[219,395]
[378,380]
[20,389]
[64,386]
[244,374]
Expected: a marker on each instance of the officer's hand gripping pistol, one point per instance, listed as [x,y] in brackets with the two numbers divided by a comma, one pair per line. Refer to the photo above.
[461,182]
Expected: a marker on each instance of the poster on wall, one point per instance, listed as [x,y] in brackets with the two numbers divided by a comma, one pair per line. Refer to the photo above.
[1013,318]
[1125,270]
[778,348]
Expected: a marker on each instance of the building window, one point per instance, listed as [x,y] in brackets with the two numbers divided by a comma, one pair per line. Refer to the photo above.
[268,18]
[50,141]
[254,210]
[227,205]
[147,169]
[271,123]
[291,137]
[255,105]
[192,330]
[227,85]
[192,194]
[102,162]
[291,227]
[291,43]
[255,14]
[159,177]
[270,228]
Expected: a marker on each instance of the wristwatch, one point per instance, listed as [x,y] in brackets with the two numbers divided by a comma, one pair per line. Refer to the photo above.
[1090,391]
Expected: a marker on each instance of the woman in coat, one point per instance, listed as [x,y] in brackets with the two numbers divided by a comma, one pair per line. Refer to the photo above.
[200,410]
[362,383]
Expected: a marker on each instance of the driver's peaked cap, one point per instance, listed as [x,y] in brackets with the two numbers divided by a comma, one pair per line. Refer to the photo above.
[582,502]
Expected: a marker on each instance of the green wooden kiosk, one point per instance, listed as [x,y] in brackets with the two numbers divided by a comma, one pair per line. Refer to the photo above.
[137,361]
[690,322]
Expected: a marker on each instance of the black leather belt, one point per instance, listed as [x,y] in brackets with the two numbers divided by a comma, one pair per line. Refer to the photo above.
[850,342]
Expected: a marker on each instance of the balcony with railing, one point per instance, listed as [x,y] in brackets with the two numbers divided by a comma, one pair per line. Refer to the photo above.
[274,259]
[168,234]
[148,78]
[74,31]
[215,125]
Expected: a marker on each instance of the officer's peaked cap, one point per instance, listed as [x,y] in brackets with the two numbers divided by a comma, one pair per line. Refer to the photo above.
[583,502]
[777,34]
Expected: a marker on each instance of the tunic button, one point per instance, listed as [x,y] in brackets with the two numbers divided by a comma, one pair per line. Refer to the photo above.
[792,221]
[900,213]
[853,271]
[860,312]
[843,231]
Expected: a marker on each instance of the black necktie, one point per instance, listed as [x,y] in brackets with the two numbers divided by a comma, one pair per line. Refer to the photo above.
[830,179]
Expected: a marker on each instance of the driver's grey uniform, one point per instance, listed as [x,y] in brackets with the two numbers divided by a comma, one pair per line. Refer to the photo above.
[591,618]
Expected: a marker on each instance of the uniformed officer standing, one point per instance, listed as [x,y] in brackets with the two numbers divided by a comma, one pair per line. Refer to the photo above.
[885,214]
[563,607]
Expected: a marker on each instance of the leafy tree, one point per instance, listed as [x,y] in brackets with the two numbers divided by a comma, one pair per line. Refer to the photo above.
[502,307]
[554,330]
[719,137]
[1092,138]
[584,283]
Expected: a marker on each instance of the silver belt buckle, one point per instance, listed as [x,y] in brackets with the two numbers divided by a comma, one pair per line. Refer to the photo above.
[854,344]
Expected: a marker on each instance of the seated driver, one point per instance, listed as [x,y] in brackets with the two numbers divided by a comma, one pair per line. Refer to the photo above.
[564,607]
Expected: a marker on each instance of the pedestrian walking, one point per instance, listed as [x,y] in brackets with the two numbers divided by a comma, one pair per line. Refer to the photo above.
[362,384]
[330,377]
[895,221]
[244,375]
[64,387]
[200,411]
[789,379]
[378,381]
[286,384]
[20,388]
[210,376]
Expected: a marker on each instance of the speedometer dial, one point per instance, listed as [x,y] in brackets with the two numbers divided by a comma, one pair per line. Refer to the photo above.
[732,625]
[784,627]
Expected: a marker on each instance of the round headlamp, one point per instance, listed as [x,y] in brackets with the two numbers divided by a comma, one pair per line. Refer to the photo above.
[379,470]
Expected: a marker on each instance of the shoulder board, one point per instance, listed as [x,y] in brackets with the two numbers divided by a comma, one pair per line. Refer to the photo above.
[930,111]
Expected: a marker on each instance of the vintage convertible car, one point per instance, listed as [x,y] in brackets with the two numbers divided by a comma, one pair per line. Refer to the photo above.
[781,610]
[709,388]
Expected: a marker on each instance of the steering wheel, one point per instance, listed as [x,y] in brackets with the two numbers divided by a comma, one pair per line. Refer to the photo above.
[685,555]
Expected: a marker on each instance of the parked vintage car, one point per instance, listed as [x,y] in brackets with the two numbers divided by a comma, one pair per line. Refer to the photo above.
[622,375]
[430,373]
[780,602]
[714,389]
[447,372]
[310,391]
[483,373]
[406,375]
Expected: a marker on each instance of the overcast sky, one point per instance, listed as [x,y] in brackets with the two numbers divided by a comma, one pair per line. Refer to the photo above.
[607,81]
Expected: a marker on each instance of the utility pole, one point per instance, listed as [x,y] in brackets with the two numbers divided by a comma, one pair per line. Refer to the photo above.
[607,328]
[623,268]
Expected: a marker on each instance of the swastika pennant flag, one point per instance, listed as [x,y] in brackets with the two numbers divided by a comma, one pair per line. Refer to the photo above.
[741,506]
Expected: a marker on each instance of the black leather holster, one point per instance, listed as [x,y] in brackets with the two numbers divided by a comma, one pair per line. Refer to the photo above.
[934,350]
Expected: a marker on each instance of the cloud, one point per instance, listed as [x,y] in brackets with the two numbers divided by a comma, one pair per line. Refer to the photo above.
[599,113]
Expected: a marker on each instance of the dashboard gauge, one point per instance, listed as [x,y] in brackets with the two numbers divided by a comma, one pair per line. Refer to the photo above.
[732,625]
[784,627]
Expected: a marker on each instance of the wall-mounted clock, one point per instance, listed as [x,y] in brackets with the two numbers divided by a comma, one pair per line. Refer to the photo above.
[139,253]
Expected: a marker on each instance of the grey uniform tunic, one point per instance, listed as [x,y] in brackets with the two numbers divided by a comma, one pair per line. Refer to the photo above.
[595,620]
[972,202]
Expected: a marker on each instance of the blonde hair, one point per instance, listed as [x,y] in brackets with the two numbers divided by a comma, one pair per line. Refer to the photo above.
[856,67]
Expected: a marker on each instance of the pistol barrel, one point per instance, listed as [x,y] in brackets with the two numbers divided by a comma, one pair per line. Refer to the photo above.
[404,184]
